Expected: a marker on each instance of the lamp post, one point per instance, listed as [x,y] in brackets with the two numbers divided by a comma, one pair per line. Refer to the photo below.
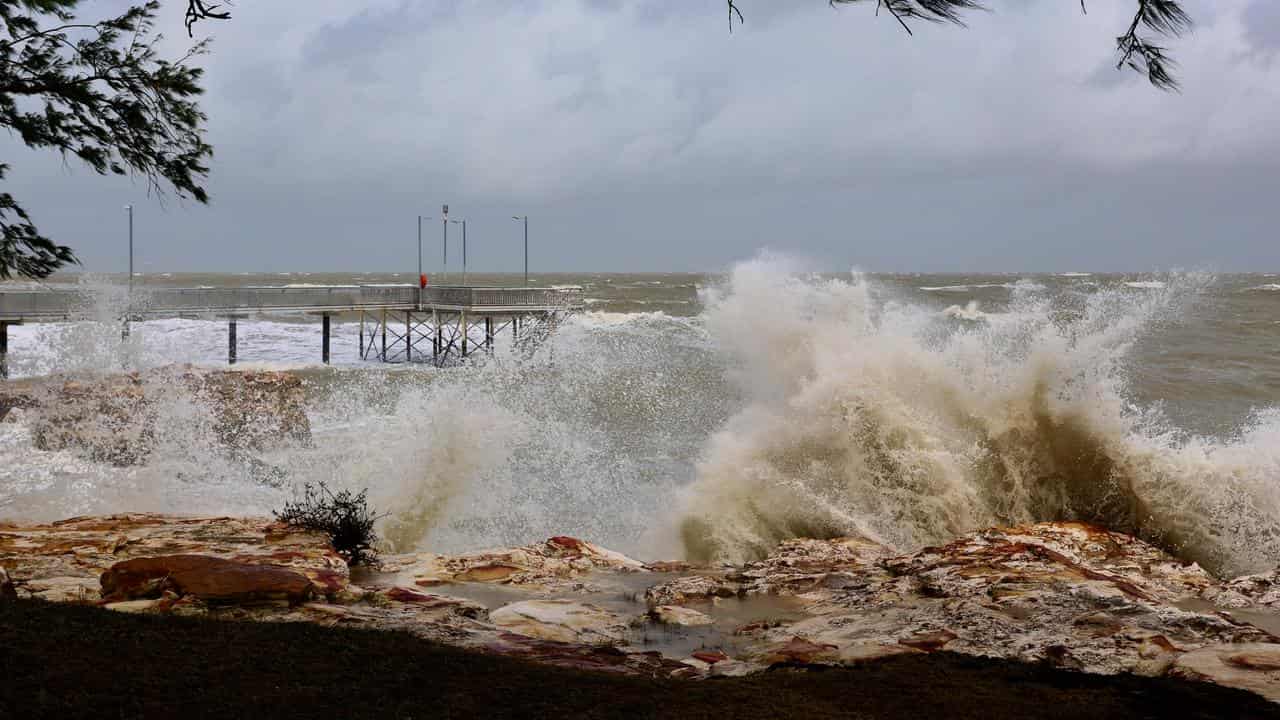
[444,223]
[463,223]
[420,219]
[129,208]
[525,220]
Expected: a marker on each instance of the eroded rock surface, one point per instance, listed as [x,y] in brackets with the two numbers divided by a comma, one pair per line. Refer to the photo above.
[561,620]
[1067,594]
[115,418]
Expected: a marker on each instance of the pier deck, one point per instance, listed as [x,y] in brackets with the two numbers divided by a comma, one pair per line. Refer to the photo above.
[398,323]
[149,303]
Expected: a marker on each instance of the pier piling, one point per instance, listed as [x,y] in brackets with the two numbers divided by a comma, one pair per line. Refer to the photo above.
[4,350]
[231,340]
[324,338]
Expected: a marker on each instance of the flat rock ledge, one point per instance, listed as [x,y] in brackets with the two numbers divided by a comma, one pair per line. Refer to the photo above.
[1067,594]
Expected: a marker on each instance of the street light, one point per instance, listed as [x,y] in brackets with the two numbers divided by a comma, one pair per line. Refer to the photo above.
[129,208]
[525,220]
[444,223]
[420,219]
[463,223]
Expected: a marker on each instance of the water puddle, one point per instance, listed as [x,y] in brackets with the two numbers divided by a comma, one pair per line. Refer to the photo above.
[1261,618]
[623,595]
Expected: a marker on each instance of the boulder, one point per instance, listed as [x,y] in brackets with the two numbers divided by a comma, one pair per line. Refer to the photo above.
[211,579]
[64,561]
[676,615]
[562,621]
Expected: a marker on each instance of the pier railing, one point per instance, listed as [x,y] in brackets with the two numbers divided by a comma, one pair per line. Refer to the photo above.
[499,298]
[46,305]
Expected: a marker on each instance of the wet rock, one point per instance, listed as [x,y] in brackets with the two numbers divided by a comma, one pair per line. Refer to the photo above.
[136,606]
[676,615]
[735,668]
[710,657]
[693,588]
[929,641]
[116,418]
[1254,667]
[599,658]
[859,653]
[211,579]
[566,621]
[799,650]
[460,607]
[1261,590]
[63,561]
[551,564]
[1066,594]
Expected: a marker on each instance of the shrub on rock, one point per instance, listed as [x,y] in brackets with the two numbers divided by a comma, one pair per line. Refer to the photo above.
[343,516]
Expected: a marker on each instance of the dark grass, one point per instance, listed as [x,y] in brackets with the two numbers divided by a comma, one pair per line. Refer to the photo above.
[61,661]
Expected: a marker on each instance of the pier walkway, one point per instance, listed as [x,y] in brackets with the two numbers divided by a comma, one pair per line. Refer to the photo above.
[398,323]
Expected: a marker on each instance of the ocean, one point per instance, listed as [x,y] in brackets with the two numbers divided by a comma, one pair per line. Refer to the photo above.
[708,416]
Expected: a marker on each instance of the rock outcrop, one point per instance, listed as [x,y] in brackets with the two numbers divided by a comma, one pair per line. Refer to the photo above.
[115,418]
[1067,594]
[205,577]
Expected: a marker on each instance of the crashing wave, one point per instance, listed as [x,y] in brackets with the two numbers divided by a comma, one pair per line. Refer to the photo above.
[861,421]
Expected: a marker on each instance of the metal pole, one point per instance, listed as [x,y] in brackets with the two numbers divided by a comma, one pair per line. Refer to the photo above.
[130,209]
[419,246]
[446,246]
[525,220]
[464,252]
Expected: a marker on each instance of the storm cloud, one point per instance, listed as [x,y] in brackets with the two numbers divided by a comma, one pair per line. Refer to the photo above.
[642,135]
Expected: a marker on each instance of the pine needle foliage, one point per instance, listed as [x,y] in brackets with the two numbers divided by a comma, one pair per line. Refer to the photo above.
[1135,49]
[343,516]
[100,92]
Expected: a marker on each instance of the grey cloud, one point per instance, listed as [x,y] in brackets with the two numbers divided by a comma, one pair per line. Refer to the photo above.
[640,134]
[1262,24]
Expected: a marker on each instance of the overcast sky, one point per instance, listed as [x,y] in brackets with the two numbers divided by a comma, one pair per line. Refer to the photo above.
[641,135]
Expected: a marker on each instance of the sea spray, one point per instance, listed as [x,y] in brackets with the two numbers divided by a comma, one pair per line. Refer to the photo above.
[864,418]
[795,404]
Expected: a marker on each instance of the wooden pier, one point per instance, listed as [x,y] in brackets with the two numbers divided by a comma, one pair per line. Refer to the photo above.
[398,323]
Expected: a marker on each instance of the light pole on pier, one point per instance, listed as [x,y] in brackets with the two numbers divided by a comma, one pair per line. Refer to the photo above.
[463,223]
[420,219]
[444,223]
[129,208]
[525,220]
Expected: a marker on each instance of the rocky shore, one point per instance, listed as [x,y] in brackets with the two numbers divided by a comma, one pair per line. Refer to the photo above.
[1065,595]
[116,417]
